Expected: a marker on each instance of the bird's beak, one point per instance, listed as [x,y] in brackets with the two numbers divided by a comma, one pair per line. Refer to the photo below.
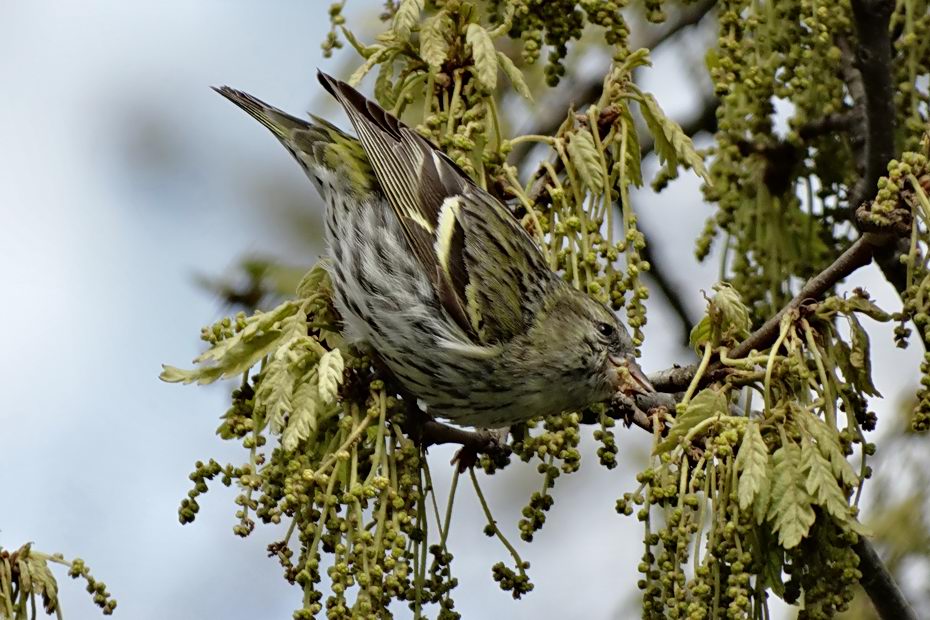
[631,379]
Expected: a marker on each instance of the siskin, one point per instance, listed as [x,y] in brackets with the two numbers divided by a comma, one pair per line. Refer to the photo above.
[439,278]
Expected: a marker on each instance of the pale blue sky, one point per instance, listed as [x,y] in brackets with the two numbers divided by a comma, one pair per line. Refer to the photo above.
[121,176]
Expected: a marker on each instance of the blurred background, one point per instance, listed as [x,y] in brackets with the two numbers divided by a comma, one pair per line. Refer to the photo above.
[125,183]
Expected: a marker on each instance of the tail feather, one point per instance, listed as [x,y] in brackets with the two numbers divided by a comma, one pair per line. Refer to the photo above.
[280,123]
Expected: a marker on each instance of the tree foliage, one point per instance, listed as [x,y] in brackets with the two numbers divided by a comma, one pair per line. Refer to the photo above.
[759,459]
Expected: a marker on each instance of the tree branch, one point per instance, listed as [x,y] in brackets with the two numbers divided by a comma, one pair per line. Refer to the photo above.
[880,586]
[873,61]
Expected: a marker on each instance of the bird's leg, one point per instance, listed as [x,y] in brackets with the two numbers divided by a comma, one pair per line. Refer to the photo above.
[490,441]
[426,431]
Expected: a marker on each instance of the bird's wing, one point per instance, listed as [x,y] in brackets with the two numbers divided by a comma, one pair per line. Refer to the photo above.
[479,258]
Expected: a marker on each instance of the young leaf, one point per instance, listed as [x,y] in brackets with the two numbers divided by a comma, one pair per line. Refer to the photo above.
[314,280]
[302,423]
[829,447]
[514,75]
[821,484]
[587,159]
[672,145]
[751,462]
[330,372]
[860,358]
[706,403]
[274,391]
[434,46]
[368,65]
[407,17]
[237,360]
[482,49]
[790,511]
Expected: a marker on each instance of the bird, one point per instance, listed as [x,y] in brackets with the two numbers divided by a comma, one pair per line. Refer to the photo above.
[440,279]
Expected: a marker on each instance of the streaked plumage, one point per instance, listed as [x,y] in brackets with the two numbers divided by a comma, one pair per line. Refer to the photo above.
[441,281]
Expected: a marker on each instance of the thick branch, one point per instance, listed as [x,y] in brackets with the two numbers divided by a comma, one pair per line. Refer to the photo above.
[880,586]
[873,59]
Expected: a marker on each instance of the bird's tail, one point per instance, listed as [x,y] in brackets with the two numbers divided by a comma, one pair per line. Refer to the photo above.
[280,123]
[321,148]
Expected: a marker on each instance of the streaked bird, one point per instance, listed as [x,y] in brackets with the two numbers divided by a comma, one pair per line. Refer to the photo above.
[439,278]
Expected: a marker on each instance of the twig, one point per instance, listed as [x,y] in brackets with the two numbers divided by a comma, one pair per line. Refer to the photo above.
[857,255]
[589,90]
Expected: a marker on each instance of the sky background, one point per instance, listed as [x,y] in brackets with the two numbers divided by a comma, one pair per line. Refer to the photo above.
[123,177]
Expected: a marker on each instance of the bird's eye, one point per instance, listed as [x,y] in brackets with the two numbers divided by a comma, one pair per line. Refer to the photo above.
[606,330]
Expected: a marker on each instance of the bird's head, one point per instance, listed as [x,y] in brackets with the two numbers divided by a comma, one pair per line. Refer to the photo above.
[580,352]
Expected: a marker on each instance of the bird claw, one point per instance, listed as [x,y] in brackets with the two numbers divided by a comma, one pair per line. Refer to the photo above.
[492,442]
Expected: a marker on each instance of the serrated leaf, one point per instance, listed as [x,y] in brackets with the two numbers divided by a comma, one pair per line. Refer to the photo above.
[484,54]
[236,361]
[727,321]
[829,446]
[367,66]
[407,17]
[708,402]
[384,89]
[821,484]
[514,75]
[302,423]
[330,373]
[434,46]
[313,281]
[672,145]
[587,159]
[274,392]
[43,582]
[860,358]
[790,510]
[751,463]
[255,324]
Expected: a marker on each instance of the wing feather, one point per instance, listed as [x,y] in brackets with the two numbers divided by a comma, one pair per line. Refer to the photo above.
[478,257]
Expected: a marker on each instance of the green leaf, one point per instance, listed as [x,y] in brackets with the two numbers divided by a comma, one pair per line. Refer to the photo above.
[274,391]
[860,358]
[302,423]
[790,511]
[434,46]
[313,281]
[751,463]
[634,60]
[727,321]
[829,446]
[330,373]
[708,402]
[255,325]
[407,17]
[484,54]
[368,65]
[514,75]
[237,360]
[821,484]
[384,89]
[672,145]
[587,159]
